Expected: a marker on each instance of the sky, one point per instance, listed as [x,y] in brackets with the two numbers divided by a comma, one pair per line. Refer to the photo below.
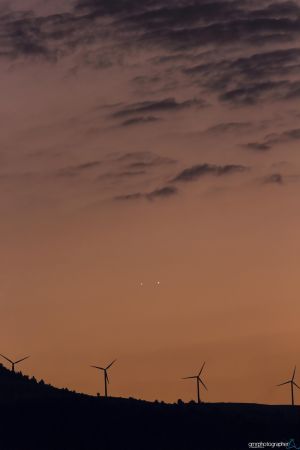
[150,173]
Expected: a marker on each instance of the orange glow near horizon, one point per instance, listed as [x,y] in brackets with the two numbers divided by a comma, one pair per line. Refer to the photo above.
[128,159]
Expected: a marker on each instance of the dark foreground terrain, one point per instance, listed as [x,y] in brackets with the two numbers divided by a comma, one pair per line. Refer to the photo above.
[36,416]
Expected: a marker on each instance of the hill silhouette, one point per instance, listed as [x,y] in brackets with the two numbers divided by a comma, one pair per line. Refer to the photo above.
[37,416]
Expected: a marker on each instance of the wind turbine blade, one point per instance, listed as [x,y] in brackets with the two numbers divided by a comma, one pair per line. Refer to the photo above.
[281,384]
[107,379]
[295,384]
[294,374]
[189,378]
[203,383]
[7,359]
[23,359]
[201,369]
[110,364]
[96,367]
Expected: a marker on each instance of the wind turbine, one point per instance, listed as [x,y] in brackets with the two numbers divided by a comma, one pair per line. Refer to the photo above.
[106,379]
[198,378]
[292,383]
[13,363]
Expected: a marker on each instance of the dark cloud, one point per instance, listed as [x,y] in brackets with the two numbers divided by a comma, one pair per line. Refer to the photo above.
[258,146]
[258,65]
[195,172]
[172,24]
[290,135]
[229,127]
[87,165]
[140,121]
[136,196]
[21,35]
[164,192]
[143,160]
[25,34]
[285,136]
[178,28]
[112,7]
[235,80]
[252,93]
[275,139]
[167,104]
[237,25]
[138,164]
[189,24]
[71,171]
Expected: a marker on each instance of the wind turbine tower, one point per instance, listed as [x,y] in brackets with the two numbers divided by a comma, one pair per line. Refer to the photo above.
[105,369]
[199,380]
[292,383]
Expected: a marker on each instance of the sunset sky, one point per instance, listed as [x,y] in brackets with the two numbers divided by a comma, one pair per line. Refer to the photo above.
[143,142]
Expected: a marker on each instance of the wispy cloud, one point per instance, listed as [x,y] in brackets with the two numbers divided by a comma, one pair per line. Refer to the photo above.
[229,127]
[175,28]
[274,139]
[163,61]
[193,173]
[74,170]
[140,121]
[167,104]
[164,192]
[143,160]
